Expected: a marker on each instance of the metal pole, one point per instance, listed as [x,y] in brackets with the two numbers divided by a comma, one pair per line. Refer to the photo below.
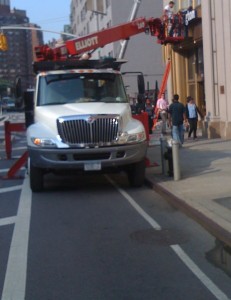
[36,29]
[176,160]
[163,147]
[133,15]
[8,145]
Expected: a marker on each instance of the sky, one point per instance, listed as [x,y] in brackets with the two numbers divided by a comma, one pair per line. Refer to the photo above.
[49,15]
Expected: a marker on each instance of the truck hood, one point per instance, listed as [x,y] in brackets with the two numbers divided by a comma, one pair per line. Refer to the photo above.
[49,114]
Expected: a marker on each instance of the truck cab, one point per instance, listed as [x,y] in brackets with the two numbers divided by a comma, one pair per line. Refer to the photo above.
[83,122]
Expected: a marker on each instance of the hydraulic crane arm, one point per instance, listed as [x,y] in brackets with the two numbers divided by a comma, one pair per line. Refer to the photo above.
[109,35]
[76,47]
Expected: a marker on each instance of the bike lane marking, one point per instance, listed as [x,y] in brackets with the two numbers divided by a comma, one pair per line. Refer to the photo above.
[136,206]
[198,273]
[7,221]
[6,170]
[10,189]
[15,279]
[204,279]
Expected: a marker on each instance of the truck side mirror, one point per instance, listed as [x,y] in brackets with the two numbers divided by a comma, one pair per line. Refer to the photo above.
[29,107]
[141,84]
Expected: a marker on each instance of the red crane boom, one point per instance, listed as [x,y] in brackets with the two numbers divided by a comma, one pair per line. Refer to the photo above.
[76,47]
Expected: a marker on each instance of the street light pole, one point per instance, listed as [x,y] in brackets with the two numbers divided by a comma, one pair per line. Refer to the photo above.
[124,44]
[36,29]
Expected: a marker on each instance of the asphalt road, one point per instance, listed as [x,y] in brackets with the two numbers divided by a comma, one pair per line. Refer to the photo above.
[94,237]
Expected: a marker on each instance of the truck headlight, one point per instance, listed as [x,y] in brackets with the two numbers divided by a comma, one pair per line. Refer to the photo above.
[42,142]
[138,137]
[125,138]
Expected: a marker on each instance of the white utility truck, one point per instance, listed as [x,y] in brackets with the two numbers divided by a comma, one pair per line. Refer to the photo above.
[83,122]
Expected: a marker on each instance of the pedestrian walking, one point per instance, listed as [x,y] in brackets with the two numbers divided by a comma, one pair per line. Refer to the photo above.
[192,112]
[162,111]
[176,115]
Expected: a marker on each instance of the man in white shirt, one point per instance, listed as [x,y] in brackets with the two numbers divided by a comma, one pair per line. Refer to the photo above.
[168,9]
[162,109]
[168,17]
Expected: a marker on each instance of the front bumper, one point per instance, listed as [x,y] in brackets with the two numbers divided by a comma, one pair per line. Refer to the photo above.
[71,158]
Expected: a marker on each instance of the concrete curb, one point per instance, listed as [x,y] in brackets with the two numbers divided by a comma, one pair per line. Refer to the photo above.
[210,225]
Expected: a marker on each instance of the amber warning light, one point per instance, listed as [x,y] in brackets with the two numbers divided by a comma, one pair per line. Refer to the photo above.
[3,42]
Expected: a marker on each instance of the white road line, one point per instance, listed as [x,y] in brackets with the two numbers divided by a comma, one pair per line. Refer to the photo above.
[6,170]
[198,273]
[15,149]
[176,248]
[7,221]
[15,279]
[19,148]
[10,189]
[150,220]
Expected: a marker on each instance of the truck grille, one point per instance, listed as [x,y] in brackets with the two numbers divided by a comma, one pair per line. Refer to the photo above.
[88,131]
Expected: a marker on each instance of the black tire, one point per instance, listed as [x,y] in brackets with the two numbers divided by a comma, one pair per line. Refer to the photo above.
[36,179]
[136,174]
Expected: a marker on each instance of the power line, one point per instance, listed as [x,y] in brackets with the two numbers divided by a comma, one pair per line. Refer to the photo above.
[53,20]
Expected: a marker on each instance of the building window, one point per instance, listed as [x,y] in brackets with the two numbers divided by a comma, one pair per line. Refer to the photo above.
[200,63]
[191,90]
[83,14]
[75,28]
[88,28]
[108,3]
[186,3]
[191,66]
[100,6]
[91,16]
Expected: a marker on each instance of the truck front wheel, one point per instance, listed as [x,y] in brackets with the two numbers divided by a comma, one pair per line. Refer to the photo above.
[36,178]
[136,174]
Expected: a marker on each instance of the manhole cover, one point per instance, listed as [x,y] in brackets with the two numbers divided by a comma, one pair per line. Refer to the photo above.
[163,237]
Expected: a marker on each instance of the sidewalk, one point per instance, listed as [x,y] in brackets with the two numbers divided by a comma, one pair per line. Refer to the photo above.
[204,191]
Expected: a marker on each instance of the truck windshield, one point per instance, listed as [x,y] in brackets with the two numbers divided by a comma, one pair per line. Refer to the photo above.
[55,89]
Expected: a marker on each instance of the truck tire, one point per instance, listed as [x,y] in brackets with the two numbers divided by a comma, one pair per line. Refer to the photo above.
[36,179]
[136,174]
